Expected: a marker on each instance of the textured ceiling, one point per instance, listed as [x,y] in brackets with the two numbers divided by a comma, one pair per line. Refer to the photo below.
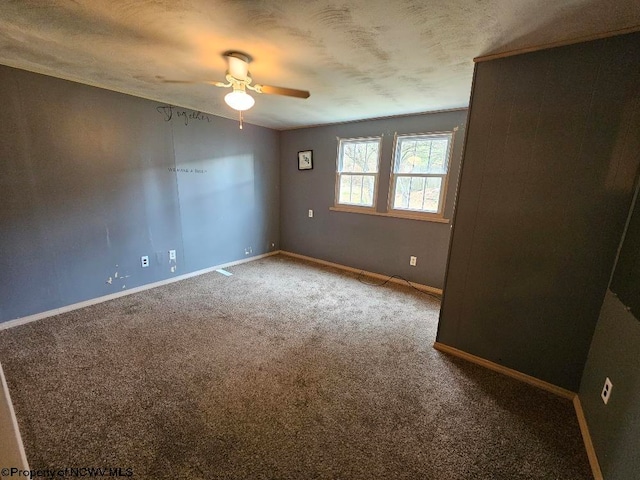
[359,59]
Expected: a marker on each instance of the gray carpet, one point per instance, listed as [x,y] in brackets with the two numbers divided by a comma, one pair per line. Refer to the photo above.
[285,370]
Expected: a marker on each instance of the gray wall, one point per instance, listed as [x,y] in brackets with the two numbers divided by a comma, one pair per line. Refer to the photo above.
[546,185]
[377,244]
[615,353]
[92,180]
[615,427]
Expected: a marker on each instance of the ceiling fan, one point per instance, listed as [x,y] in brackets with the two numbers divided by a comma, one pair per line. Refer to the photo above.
[239,79]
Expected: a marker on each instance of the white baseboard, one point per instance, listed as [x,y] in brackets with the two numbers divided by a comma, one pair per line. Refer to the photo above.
[424,288]
[142,288]
[14,455]
[12,452]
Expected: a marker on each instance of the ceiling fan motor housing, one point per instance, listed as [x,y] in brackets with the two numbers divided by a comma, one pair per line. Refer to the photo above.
[238,65]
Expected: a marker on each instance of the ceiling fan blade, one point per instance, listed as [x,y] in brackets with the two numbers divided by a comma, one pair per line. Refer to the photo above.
[288,92]
[193,82]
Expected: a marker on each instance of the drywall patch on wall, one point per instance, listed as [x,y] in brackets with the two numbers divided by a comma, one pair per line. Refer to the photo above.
[69,308]
[117,279]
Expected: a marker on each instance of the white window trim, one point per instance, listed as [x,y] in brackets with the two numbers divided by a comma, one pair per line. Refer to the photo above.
[376,180]
[445,178]
[394,214]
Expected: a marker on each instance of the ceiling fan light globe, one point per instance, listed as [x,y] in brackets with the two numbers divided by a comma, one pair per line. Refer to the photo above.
[239,100]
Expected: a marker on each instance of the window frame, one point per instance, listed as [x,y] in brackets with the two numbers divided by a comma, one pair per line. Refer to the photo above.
[376,180]
[444,176]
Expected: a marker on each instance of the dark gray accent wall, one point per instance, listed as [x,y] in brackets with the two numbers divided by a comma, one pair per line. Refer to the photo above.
[626,278]
[615,354]
[373,243]
[615,427]
[91,180]
[546,184]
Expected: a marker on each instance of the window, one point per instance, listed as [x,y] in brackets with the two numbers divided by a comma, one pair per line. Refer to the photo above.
[419,173]
[357,171]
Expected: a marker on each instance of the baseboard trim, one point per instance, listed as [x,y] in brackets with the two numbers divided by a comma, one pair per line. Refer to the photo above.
[8,420]
[378,276]
[523,377]
[536,382]
[586,438]
[12,454]
[87,303]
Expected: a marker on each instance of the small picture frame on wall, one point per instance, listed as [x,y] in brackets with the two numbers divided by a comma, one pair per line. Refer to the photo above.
[305,160]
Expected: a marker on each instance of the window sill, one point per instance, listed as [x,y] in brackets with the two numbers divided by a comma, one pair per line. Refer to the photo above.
[408,216]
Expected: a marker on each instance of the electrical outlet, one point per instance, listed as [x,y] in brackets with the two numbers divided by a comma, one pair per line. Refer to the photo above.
[413,260]
[310,213]
[172,255]
[144,260]
[606,391]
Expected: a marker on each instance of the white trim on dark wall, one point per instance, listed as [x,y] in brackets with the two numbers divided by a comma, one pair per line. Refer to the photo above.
[142,288]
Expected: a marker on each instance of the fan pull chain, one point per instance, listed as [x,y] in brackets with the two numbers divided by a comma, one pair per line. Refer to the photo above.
[240,119]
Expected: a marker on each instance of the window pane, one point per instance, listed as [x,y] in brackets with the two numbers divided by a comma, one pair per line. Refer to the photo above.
[359,156]
[421,194]
[348,165]
[422,154]
[356,190]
